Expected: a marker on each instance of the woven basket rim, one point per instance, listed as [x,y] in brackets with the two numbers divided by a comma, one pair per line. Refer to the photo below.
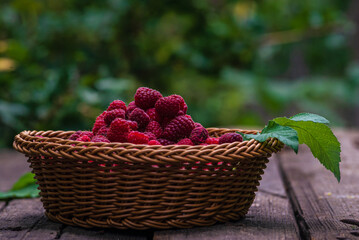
[56,143]
[44,138]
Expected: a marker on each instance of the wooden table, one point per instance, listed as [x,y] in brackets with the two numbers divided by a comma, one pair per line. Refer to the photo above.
[297,199]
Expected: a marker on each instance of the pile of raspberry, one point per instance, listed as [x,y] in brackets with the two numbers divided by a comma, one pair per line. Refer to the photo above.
[150,119]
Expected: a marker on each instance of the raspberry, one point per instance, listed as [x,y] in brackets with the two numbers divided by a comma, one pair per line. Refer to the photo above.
[151,136]
[165,142]
[167,106]
[146,98]
[117,104]
[183,105]
[86,133]
[155,128]
[84,138]
[133,125]
[103,131]
[165,121]
[211,140]
[100,138]
[139,116]
[180,112]
[230,137]
[131,106]
[75,135]
[153,115]
[185,141]
[188,116]
[99,123]
[196,125]
[178,128]
[111,115]
[137,138]
[154,142]
[199,135]
[185,108]
[119,130]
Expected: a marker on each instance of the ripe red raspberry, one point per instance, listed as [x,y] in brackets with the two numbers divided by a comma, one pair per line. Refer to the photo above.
[180,112]
[86,133]
[99,123]
[188,116]
[133,125]
[153,115]
[150,135]
[183,105]
[185,108]
[131,106]
[75,135]
[155,128]
[167,106]
[185,141]
[165,142]
[103,131]
[139,116]
[146,98]
[117,104]
[196,125]
[212,140]
[165,121]
[199,135]
[100,138]
[178,128]
[84,138]
[137,138]
[154,142]
[119,130]
[230,137]
[111,115]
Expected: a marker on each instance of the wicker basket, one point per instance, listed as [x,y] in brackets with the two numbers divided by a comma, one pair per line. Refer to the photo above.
[127,186]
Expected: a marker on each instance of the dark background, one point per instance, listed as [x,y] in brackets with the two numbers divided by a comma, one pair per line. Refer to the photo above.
[234,62]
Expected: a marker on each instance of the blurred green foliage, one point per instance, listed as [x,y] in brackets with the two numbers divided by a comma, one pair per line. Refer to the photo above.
[234,62]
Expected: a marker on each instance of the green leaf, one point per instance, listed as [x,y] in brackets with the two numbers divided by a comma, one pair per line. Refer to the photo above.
[309,117]
[25,187]
[29,191]
[273,130]
[320,139]
[24,180]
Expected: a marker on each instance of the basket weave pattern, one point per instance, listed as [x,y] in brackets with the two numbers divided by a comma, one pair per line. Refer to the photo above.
[127,186]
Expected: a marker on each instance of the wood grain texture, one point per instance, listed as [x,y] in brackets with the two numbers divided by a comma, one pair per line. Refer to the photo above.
[318,200]
[77,233]
[19,217]
[268,218]
[44,229]
[2,205]
[13,165]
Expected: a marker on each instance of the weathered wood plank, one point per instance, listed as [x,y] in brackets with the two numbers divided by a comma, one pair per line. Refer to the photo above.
[13,165]
[24,219]
[44,229]
[268,218]
[18,217]
[21,214]
[319,202]
[2,205]
[76,233]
